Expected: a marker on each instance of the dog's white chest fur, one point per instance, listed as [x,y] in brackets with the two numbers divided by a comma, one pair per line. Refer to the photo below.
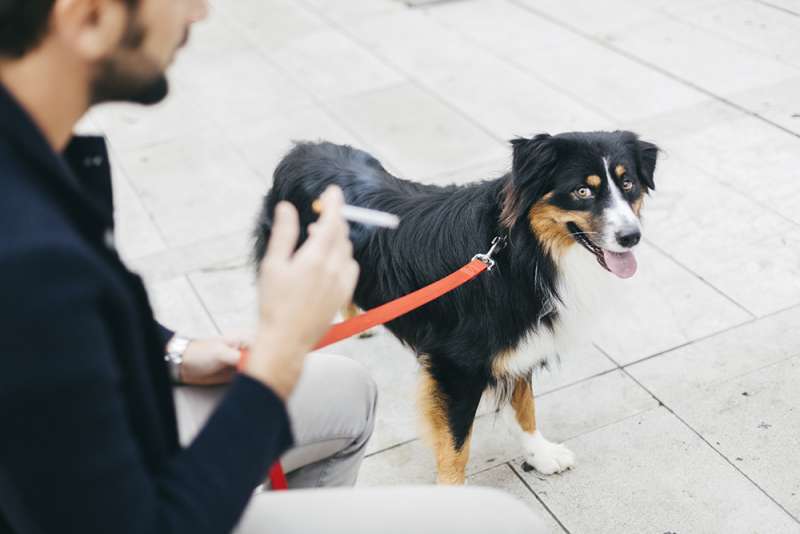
[583,282]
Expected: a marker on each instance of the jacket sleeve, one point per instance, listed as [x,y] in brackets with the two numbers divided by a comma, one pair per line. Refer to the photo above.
[69,461]
[165,334]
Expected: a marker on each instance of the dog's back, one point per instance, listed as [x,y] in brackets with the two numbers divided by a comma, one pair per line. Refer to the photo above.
[307,170]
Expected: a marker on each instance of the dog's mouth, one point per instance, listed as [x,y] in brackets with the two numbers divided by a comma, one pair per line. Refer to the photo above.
[621,264]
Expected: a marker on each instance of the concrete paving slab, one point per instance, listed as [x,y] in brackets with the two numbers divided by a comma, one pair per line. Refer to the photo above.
[693,55]
[136,233]
[560,415]
[776,103]
[702,367]
[501,97]
[736,153]
[663,306]
[263,142]
[177,307]
[331,65]
[607,82]
[740,247]
[195,188]
[754,420]
[757,26]
[417,134]
[649,473]
[503,478]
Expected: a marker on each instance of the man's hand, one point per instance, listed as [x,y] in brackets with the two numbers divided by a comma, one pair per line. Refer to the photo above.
[300,292]
[211,361]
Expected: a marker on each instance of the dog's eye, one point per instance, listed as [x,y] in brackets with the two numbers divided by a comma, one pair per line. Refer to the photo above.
[584,192]
[627,185]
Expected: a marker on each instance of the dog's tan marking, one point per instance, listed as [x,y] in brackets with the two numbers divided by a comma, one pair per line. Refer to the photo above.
[549,224]
[637,205]
[524,406]
[593,181]
[349,311]
[510,202]
[451,463]
[619,170]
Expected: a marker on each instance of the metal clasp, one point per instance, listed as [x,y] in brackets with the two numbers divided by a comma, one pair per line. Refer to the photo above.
[498,244]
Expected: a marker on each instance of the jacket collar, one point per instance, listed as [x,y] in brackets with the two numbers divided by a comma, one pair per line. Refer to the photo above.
[79,179]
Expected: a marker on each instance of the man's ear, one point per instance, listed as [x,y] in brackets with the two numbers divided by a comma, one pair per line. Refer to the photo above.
[647,154]
[91,28]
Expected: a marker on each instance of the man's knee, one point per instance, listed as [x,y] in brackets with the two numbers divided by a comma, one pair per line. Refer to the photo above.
[341,390]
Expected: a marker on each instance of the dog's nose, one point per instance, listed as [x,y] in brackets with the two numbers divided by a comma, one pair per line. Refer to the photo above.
[629,238]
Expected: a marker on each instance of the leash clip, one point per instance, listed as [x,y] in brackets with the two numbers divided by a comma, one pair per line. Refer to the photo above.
[498,244]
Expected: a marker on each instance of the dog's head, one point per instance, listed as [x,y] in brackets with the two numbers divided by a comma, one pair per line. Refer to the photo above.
[582,188]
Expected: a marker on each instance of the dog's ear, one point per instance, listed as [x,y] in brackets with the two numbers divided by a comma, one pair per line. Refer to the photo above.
[646,155]
[534,159]
[532,165]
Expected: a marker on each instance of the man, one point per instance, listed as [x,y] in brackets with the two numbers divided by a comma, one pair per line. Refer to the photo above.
[89,435]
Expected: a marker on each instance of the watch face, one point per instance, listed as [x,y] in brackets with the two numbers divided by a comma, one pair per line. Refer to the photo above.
[177,345]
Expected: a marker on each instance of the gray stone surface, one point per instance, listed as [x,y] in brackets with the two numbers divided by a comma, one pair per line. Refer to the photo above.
[436,91]
[650,473]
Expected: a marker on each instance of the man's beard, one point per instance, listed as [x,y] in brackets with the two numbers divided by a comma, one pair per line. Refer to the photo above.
[129,75]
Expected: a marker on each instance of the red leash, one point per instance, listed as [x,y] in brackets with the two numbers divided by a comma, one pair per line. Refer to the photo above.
[390,311]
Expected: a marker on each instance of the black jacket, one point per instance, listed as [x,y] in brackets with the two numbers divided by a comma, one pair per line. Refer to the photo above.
[88,439]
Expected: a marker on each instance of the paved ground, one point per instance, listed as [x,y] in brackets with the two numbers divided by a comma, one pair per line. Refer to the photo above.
[685,416]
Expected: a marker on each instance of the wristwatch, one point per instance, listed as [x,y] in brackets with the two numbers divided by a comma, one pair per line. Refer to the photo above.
[174,357]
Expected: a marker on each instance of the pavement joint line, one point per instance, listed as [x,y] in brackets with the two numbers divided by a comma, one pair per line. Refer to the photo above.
[707,442]
[203,304]
[711,175]
[390,447]
[677,17]
[119,163]
[429,3]
[323,104]
[600,111]
[702,279]
[654,67]
[536,496]
[779,8]
[706,337]
[412,79]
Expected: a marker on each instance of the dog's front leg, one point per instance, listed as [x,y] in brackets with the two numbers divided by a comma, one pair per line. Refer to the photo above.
[543,455]
[447,413]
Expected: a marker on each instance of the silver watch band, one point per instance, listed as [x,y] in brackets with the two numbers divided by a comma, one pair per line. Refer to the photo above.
[174,357]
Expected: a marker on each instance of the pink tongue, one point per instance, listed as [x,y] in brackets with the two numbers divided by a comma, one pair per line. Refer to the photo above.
[623,264]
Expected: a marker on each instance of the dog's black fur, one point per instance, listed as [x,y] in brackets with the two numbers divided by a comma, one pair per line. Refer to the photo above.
[461,333]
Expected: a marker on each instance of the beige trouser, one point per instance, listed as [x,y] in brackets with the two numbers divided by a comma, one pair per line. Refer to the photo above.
[333,413]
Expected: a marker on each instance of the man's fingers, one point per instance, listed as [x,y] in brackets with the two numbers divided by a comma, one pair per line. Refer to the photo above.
[285,232]
[230,356]
[331,228]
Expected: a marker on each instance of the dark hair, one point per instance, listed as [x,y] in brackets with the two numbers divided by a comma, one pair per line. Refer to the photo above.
[23,25]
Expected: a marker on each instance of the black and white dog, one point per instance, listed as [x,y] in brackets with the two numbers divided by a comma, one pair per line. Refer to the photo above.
[569,210]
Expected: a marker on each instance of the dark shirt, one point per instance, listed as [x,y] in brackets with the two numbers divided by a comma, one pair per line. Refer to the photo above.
[88,438]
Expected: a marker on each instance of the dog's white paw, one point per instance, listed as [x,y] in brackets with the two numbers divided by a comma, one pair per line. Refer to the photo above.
[547,457]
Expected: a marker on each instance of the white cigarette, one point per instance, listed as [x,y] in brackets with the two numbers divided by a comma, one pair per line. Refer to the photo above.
[364,215]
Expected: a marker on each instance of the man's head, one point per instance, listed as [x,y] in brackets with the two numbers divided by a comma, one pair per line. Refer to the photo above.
[124,46]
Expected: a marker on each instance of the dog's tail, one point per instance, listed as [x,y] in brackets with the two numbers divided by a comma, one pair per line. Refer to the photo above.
[305,172]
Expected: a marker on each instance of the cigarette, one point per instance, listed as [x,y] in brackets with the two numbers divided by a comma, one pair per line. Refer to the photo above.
[363,215]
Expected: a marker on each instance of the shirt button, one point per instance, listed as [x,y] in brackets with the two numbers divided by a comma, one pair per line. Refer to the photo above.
[108,239]
[95,161]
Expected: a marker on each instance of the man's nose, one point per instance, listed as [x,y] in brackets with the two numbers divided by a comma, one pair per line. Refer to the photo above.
[198,10]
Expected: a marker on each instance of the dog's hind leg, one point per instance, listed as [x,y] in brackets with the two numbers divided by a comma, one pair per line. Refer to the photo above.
[350,311]
[543,455]
[448,414]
